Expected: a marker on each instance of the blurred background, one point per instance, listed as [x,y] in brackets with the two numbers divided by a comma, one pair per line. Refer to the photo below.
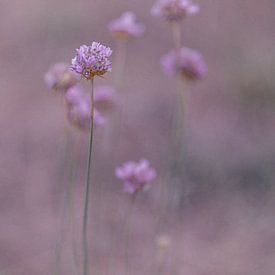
[218,218]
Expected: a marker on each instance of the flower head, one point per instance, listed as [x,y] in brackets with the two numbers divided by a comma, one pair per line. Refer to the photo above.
[126,27]
[92,60]
[187,62]
[136,175]
[79,109]
[105,98]
[60,77]
[174,10]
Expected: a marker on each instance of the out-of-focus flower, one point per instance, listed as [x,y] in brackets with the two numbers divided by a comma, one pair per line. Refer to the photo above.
[126,27]
[105,98]
[174,10]
[136,176]
[163,241]
[79,109]
[187,62]
[92,60]
[60,77]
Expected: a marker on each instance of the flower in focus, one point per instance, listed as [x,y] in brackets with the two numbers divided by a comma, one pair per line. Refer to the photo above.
[126,27]
[174,10]
[92,60]
[60,77]
[136,175]
[104,97]
[187,62]
[79,109]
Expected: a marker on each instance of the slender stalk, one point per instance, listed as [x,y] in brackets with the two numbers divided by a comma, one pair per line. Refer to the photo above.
[127,231]
[120,62]
[87,189]
[176,32]
[61,235]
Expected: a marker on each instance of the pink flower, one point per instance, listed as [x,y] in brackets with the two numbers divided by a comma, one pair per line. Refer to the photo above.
[136,176]
[60,77]
[92,60]
[174,10]
[79,109]
[105,98]
[187,62]
[126,27]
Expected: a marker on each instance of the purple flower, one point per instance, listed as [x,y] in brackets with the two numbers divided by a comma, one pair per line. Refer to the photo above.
[126,26]
[174,10]
[187,62]
[60,77]
[79,109]
[104,97]
[92,60]
[136,176]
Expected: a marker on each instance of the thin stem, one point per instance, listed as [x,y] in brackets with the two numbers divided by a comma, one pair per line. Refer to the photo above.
[120,62]
[61,235]
[176,34]
[127,231]
[87,190]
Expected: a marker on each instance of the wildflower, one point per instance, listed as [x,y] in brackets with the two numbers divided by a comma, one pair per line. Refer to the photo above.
[60,77]
[126,27]
[92,60]
[187,62]
[174,10]
[136,175]
[104,97]
[79,109]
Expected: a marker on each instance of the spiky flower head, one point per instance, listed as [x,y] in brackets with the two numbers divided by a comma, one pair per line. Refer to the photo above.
[174,10]
[79,109]
[136,176]
[126,27]
[92,60]
[60,77]
[187,62]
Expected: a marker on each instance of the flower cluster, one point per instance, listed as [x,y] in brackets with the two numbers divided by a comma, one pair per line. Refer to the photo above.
[126,27]
[136,176]
[92,60]
[187,62]
[60,77]
[174,10]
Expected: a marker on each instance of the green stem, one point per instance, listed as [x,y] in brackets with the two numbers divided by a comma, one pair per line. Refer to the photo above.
[87,190]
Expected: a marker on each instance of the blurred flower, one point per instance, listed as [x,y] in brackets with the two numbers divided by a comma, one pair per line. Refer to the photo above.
[135,175]
[174,10]
[60,77]
[79,109]
[92,60]
[188,62]
[104,97]
[126,27]
[163,241]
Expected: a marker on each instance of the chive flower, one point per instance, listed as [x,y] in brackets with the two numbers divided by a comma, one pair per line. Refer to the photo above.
[92,60]
[136,176]
[126,27]
[60,77]
[174,10]
[187,62]
[79,109]
[105,98]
